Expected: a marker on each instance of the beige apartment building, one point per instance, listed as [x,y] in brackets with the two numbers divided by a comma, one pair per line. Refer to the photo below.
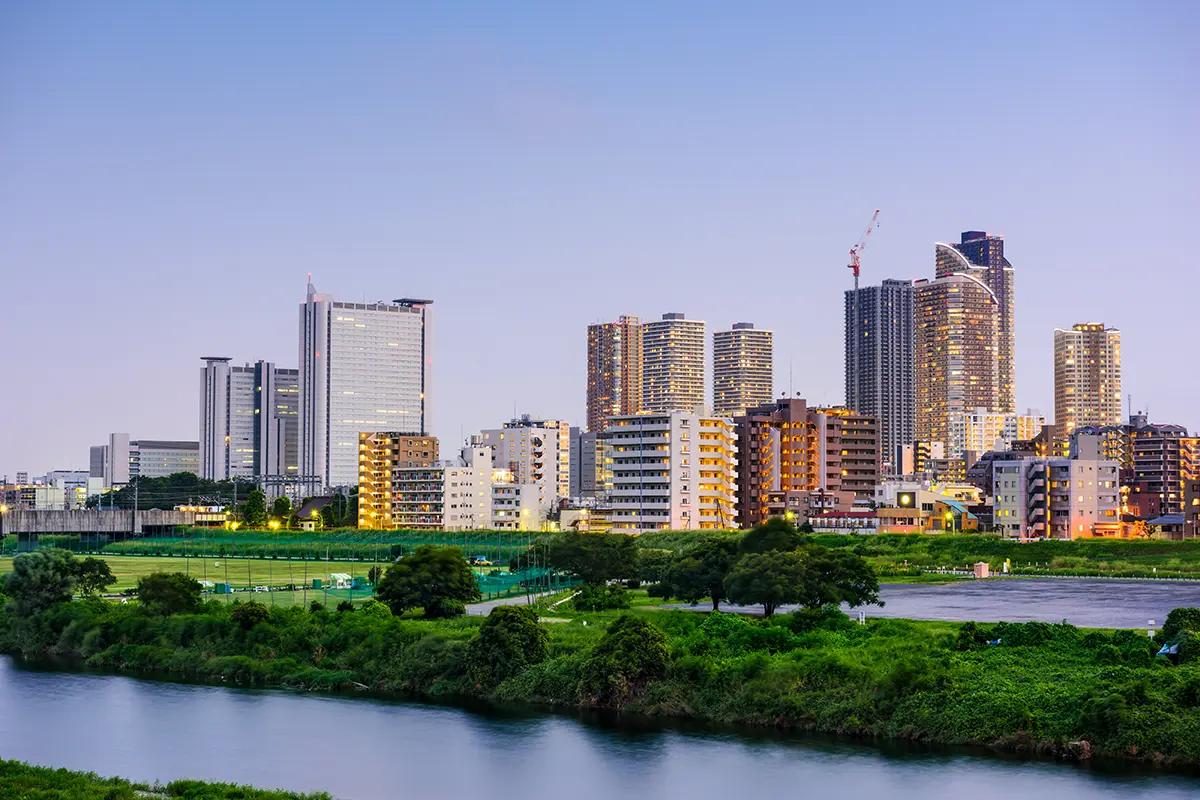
[1087,377]
[743,369]
[673,364]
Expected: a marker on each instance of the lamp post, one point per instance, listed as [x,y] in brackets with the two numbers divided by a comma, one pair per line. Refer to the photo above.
[949,517]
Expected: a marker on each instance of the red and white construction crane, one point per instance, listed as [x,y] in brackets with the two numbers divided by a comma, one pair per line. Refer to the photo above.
[852,398]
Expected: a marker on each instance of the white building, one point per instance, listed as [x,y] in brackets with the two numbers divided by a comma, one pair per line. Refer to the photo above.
[363,367]
[980,430]
[122,458]
[1057,498]
[248,420]
[515,506]
[536,452]
[675,471]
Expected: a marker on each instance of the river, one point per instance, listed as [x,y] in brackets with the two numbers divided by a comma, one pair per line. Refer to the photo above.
[362,749]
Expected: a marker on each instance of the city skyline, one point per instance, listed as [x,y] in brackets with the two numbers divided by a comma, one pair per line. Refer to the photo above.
[123,130]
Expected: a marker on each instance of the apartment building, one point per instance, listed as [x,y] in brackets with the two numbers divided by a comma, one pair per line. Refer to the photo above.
[671,471]
[536,451]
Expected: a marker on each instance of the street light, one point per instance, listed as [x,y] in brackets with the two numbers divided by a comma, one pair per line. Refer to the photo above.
[949,517]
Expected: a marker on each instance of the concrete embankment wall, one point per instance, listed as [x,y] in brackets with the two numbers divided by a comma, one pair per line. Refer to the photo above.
[24,523]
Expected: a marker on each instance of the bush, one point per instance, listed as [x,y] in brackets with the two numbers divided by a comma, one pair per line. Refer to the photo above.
[247,615]
[509,641]
[376,609]
[345,606]
[822,618]
[600,598]
[631,655]
[315,606]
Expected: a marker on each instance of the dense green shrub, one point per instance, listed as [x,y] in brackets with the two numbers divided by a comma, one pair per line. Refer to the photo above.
[509,641]
[167,593]
[601,598]
[247,615]
[632,653]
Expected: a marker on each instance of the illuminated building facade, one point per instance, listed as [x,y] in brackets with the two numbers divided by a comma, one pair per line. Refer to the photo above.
[614,374]
[743,369]
[955,352]
[673,364]
[536,452]
[1087,377]
[675,471]
[982,256]
[882,384]
[248,420]
[363,367]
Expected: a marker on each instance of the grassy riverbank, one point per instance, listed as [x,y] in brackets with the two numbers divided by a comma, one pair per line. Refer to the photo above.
[24,782]
[1046,688]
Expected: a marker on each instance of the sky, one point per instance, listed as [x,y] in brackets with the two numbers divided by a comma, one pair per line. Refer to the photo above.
[170,173]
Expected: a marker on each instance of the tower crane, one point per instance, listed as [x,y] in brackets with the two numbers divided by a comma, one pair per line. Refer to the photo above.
[852,398]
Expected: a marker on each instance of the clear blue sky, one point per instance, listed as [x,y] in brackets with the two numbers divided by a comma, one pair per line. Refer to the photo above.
[170,172]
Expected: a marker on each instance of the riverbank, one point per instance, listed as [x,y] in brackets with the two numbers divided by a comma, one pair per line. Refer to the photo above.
[19,780]
[1051,689]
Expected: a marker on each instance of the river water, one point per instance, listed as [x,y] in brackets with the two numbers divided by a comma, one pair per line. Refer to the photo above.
[372,750]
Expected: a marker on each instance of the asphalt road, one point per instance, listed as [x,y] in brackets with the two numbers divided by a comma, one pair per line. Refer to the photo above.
[1084,603]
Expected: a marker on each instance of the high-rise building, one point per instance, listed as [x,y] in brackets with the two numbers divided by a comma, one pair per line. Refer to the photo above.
[1087,377]
[363,367]
[743,369]
[247,420]
[982,256]
[882,384]
[671,471]
[787,451]
[673,364]
[954,340]
[536,451]
[614,377]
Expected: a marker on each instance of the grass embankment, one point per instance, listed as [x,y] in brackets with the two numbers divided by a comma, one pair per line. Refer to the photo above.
[24,782]
[899,556]
[1042,688]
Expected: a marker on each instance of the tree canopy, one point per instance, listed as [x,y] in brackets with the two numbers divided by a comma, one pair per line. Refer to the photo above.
[41,580]
[700,572]
[594,557]
[254,510]
[812,576]
[167,593]
[436,579]
[774,534]
[93,576]
[630,655]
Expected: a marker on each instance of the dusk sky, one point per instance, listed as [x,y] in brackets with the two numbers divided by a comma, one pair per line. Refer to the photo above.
[170,173]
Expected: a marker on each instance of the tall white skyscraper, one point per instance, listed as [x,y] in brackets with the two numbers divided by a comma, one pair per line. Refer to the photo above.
[363,367]
[248,420]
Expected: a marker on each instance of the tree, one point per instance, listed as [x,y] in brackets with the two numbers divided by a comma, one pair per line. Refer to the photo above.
[376,609]
[281,509]
[509,640]
[700,572]
[1186,618]
[437,579]
[40,580]
[769,579]
[250,614]
[345,607]
[812,576]
[254,511]
[630,655]
[167,593]
[93,576]
[374,574]
[774,534]
[595,558]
